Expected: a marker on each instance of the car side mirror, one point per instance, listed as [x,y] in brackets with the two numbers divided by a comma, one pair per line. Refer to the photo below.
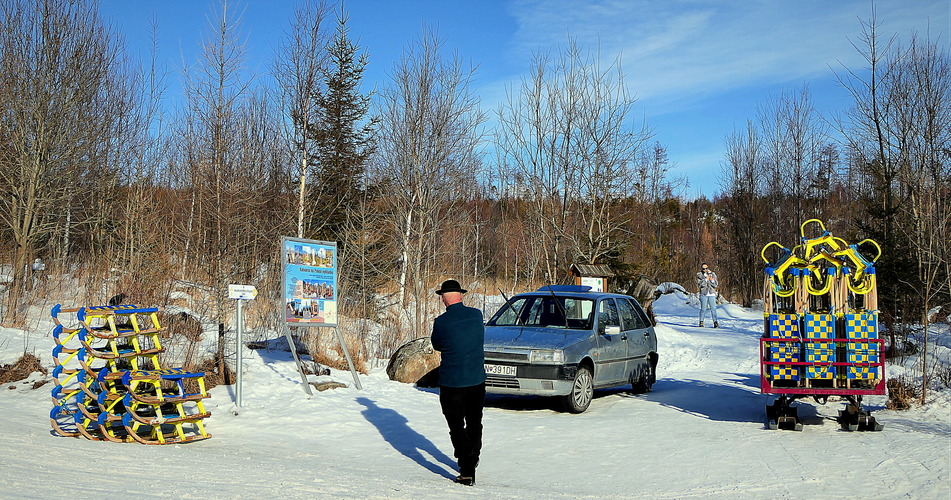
[612,330]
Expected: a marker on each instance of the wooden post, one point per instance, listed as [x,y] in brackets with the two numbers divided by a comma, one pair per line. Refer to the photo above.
[220,356]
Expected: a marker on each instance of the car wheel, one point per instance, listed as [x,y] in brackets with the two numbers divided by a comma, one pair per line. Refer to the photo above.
[646,381]
[582,391]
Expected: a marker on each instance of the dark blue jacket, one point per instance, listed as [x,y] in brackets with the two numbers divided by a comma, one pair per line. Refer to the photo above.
[459,335]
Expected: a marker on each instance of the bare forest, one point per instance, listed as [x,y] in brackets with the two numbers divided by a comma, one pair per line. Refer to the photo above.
[420,181]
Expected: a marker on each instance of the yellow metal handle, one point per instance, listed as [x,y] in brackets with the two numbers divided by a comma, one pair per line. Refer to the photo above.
[802,228]
[818,291]
[783,292]
[771,243]
[873,242]
[863,285]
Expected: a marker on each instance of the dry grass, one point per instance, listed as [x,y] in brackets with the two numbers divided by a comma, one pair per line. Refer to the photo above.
[329,353]
[21,369]
[900,394]
[181,324]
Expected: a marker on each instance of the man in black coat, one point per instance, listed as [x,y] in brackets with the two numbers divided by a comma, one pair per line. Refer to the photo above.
[459,335]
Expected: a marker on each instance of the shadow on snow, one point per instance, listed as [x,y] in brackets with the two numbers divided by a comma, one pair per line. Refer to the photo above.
[739,401]
[396,431]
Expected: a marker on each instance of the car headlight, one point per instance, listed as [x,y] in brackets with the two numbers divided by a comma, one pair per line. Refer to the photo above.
[547,356]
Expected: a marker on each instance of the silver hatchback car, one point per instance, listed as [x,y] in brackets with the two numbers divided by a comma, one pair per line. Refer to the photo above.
[567,341]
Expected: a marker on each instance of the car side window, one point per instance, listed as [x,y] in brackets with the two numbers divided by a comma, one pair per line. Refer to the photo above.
[629,318]
[579,313]
[639,315]
[607,314]
[546,312]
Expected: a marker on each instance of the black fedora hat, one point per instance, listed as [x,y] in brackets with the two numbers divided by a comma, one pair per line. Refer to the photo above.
[450,286]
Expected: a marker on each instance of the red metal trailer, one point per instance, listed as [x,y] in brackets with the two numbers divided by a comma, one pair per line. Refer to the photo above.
[792,369]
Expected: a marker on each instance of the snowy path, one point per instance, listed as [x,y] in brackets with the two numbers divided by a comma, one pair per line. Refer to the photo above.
[700,434]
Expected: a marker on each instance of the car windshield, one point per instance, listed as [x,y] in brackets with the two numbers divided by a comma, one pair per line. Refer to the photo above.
[546,312]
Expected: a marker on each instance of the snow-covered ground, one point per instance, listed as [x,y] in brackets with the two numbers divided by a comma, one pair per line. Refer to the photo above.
[699,434]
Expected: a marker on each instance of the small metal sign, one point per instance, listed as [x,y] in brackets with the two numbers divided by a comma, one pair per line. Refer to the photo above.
[242,292]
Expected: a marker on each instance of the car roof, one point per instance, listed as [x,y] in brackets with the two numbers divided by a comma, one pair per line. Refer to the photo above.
[562,291]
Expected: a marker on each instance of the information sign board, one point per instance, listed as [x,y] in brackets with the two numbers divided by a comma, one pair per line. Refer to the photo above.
[310,282]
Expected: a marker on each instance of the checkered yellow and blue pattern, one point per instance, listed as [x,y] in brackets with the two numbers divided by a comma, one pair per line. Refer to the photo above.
[862,372]
[862,352]
[862,356]
[820,372]
[818,326]
[861,326]
[789,353]
[820,345]
[819,354]
[780,372]
[784,326]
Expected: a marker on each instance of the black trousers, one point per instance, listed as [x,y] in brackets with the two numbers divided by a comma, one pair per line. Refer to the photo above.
[462,407]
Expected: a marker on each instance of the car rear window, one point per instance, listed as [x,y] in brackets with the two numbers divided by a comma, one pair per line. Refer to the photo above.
[545,311]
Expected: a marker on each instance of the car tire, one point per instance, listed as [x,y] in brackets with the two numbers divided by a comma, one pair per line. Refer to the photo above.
[646,381]
[582,391]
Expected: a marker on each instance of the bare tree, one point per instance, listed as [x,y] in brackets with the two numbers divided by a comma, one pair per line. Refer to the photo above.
[567,136]
[656,248]
[365,259]
[924,79]
[745,217]
[870,133]
[794,135]
[898,132]
[223,170]
[145,253]
[65,98]
[428,155]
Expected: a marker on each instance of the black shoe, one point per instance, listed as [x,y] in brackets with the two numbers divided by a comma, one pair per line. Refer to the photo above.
[466,480]
[716,325]
[701,324]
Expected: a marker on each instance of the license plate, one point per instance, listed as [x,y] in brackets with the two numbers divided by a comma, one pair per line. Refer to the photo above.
[503,370]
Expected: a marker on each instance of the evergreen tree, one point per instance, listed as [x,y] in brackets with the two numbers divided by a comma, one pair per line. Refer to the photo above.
[343,135]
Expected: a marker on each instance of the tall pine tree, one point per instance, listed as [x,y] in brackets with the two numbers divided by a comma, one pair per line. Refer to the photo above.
[343,135]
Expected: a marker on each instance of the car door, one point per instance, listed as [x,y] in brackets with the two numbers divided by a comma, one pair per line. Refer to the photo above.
[612,349]
[637,328]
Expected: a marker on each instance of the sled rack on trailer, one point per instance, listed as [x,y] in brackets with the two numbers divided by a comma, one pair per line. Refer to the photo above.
[820,335]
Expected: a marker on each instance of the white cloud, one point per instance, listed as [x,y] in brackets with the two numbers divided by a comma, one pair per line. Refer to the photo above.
[682,49]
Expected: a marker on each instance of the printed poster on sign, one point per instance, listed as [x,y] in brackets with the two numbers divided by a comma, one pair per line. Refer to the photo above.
[310,282]
[596,284]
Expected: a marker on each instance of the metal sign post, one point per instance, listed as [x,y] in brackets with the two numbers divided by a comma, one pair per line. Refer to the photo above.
[300,366]
[240,293]
[346,353]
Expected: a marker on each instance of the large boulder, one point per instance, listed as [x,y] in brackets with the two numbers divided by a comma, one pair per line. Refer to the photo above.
[415,362]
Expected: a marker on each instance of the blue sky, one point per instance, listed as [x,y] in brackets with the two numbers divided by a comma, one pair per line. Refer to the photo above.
[700,68]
